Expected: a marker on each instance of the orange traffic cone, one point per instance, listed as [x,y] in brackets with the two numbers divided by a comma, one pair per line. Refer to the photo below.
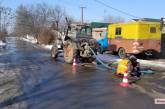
[125,81]
[74,62]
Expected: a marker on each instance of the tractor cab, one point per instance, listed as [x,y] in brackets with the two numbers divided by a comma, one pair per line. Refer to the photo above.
[77,31]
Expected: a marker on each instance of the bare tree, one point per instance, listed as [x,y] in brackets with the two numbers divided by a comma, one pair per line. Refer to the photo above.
[29,20]
[22,23]
[6,17]
[38,20]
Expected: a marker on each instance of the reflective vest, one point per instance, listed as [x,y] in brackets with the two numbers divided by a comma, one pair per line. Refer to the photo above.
[122,66]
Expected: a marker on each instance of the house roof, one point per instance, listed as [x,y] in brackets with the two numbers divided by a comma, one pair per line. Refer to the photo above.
[147,19]
[99,25]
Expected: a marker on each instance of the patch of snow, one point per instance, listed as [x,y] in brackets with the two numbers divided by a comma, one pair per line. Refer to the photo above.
[30,39]
[48,47]
[2,43]
[34,41]
[158,64]
[152,63]
[108,58]
[59,46]
[2,91]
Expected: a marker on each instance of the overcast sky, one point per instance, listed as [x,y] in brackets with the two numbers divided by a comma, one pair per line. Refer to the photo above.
[95,11]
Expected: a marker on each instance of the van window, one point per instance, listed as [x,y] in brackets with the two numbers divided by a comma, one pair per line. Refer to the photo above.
[118,31]
[152,29]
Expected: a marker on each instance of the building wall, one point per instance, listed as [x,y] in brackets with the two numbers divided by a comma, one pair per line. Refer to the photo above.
[99,33]
[135,30]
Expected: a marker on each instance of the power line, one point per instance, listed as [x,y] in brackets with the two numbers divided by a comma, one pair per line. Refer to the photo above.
[126,13]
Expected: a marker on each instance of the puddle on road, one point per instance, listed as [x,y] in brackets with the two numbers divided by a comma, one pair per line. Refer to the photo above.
[9,88]
[152,85]
[4,53]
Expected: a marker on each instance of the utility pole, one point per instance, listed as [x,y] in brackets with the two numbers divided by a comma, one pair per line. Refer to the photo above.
[82,14]
[0,18]
[1,12]
[162,23]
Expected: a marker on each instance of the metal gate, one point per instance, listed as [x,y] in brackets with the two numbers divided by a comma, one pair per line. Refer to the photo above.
[163,45]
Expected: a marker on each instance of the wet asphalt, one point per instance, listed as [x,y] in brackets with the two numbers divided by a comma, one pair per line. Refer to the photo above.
[44,83]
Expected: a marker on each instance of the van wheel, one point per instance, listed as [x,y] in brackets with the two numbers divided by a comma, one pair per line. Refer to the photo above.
[121,53]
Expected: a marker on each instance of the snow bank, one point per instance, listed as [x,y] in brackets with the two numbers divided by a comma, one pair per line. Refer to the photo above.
[108,58]
[33,40]
[47,47]
[2,43]
[153,64]
[30,39]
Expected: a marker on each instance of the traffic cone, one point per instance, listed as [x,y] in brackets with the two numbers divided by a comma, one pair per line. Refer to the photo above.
[125,81]
[74,62]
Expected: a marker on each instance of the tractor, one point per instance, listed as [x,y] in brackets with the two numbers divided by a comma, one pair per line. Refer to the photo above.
[77,44]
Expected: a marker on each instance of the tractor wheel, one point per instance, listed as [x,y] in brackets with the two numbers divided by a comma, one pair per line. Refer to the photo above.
[121,53]
[54,52]
[69,51]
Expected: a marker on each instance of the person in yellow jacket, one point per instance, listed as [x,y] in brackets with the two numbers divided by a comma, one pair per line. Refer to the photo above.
[123,66]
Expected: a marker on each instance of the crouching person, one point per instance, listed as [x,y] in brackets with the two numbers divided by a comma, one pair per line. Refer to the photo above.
[134,67]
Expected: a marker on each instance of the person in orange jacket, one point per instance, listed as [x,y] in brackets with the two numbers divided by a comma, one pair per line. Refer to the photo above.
[123,66]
